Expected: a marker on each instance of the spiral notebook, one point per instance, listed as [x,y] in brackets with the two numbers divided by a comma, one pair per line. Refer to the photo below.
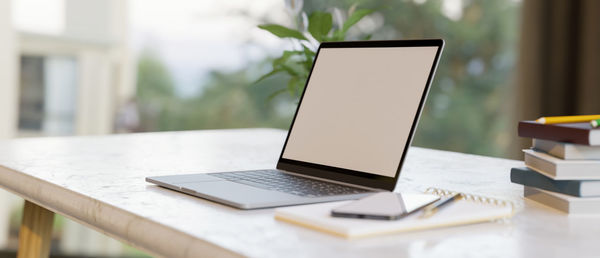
[471,209]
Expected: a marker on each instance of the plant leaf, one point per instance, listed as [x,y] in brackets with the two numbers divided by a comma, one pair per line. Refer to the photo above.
[275,94]
[286,55]
[292,84]
[300,88]
[338,35]
[309,56]
[271,73]
[319,25]
[282,32]
[293,71]
[367,37]
[354,18]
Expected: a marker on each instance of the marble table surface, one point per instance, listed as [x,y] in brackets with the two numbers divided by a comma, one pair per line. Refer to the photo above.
[99,182]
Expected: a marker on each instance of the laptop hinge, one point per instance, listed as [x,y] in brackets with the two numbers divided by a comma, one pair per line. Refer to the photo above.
[333,181]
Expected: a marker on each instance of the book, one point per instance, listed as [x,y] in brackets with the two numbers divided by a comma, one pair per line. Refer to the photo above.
[565,150]
[582,188]
[472,209]
[559,169]
[579,133]
[563,202]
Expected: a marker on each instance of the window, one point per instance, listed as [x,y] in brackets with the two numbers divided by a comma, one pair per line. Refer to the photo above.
[47,95]
[208,75]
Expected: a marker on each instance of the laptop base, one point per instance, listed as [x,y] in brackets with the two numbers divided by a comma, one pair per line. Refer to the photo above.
[238,195]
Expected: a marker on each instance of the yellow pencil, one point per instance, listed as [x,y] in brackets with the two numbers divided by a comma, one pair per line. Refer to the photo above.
[566,119]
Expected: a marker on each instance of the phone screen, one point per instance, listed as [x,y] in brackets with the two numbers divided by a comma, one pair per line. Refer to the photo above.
[385,205]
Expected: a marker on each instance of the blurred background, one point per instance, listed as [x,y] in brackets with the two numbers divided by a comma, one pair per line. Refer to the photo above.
[87,67]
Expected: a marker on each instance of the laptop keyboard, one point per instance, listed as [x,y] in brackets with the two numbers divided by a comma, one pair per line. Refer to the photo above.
[278,181]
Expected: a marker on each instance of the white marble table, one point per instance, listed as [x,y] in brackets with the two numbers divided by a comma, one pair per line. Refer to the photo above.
[99,181]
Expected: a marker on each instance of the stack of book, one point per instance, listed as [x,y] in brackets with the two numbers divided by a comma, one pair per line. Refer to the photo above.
[563,166]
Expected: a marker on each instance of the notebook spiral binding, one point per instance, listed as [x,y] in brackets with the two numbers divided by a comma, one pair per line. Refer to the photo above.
[474,198]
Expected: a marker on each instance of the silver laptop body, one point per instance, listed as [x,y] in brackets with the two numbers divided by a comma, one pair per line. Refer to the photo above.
[350,133]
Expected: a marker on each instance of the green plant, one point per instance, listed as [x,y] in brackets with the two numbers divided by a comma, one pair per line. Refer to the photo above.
[297,63]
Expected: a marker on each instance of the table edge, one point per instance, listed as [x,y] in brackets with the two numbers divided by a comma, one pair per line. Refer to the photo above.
[164,241]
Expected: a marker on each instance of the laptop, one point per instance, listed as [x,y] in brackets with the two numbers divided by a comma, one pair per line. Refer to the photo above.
[350,133]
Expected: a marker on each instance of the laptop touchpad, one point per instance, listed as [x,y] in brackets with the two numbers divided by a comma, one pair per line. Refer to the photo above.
[177,179]
[234,192]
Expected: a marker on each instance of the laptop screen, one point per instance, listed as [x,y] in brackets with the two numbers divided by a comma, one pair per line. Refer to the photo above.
[359,107]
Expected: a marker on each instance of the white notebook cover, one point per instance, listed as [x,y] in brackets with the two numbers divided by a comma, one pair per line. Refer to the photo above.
[567,151]
[317,216]
[560,169]
[562,202]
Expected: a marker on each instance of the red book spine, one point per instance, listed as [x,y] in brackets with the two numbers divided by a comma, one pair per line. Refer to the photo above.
[551,132]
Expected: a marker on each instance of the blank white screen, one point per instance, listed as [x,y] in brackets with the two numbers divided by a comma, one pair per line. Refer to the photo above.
[359,106]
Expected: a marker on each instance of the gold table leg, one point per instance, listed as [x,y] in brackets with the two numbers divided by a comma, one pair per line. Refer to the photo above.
[35,234]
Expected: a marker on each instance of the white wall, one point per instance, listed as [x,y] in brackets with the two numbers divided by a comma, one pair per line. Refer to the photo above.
[105,77]
[8,102]
[96,36]
[8,72]
[96,98]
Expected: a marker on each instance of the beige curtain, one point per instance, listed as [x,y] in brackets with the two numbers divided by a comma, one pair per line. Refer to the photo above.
[559,61]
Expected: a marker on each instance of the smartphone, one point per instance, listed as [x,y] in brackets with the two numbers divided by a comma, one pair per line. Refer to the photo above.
[384,206]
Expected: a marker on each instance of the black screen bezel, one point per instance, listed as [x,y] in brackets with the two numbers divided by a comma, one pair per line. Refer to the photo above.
[353,176]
